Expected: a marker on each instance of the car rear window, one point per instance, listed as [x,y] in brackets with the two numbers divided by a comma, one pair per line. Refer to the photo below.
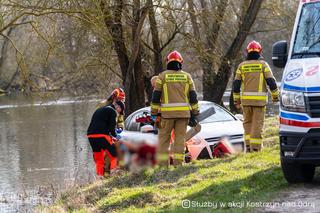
[220,115]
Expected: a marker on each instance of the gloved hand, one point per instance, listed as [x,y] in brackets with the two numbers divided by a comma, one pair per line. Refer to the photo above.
[118,137]
[275,98]
[154,118]
[119,130]
[238,104]
[192,121]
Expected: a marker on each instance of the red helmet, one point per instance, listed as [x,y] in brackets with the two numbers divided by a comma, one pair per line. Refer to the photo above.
[254,46]
[174,56]
[119,94]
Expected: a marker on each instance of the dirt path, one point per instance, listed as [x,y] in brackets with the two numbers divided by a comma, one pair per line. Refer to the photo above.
[298,198]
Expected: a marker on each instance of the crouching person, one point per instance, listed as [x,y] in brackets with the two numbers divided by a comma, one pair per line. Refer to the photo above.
[102,133]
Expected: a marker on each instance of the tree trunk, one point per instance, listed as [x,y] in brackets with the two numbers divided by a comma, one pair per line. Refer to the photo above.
[157,56]
[131,68]
[211,29]
[221,79]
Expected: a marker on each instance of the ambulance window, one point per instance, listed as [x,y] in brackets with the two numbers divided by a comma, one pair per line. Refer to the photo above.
[307,40]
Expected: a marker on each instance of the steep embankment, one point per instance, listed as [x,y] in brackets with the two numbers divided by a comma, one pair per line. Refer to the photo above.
[235,182]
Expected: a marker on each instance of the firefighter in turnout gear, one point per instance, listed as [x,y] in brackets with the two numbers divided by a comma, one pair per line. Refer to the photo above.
[252,78]
[175,98]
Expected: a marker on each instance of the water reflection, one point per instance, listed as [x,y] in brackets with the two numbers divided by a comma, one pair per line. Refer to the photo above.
[43,149]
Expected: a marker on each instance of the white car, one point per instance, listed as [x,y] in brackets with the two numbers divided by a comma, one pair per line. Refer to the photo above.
[219,125]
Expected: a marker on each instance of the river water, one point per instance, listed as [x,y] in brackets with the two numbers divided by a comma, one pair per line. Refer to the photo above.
[43,149]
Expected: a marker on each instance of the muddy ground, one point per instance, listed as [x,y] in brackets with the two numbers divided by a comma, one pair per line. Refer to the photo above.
[298,198]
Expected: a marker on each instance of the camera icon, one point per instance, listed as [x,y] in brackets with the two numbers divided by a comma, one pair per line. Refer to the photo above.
[186,204]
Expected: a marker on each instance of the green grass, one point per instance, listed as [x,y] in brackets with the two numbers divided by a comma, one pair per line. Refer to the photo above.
[243,178]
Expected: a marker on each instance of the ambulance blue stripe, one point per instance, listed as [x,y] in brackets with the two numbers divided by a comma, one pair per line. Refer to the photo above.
[294,116]
[303,89]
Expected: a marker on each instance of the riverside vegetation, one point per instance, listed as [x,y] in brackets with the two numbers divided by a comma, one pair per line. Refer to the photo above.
[234,183]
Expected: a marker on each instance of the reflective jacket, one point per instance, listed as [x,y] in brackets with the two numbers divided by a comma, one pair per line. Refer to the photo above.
[254,76]
[174,95]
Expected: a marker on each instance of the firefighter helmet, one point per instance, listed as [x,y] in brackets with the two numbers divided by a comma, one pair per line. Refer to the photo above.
[119,94]
[254,46]
[174,56]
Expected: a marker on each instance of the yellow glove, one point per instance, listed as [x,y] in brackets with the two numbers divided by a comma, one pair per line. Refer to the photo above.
[275,95]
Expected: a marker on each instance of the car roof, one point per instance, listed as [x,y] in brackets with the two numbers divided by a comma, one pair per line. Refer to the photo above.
[200,102]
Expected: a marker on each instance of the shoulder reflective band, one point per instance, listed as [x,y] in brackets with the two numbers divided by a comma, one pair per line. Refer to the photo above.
[175,107]
[176,78]
[252,68]
[257,141]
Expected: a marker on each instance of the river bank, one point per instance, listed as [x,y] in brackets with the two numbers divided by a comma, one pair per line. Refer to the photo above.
[237,183]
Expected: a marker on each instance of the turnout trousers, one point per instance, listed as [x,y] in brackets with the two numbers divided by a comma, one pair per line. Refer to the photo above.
[179,125]
[103,145]
[253,124]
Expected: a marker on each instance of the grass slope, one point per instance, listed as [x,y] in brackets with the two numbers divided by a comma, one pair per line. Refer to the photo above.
[254,177]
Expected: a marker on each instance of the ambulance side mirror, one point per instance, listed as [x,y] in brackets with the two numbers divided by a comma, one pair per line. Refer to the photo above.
[280,54]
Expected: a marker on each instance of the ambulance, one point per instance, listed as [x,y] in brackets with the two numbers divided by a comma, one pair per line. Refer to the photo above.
[300,95]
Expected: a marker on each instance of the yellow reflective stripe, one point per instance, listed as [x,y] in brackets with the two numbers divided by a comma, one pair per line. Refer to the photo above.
[175,109]
[260,82]
[242,83]
[252,68]
[159,81]
[165,93]
[174,104]
[275,92]
[195,106]
[186,91]
[176,78]
[238,71]
[255,93]
[257,141]
[247,137]
[264,98]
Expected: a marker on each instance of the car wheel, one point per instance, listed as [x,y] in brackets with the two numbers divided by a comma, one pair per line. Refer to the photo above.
[297,173]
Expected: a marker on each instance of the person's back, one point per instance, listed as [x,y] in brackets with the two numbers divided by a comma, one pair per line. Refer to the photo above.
[173,98]
[252,78]
[254,89]
[101,133]
[175,93]
[103,121]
